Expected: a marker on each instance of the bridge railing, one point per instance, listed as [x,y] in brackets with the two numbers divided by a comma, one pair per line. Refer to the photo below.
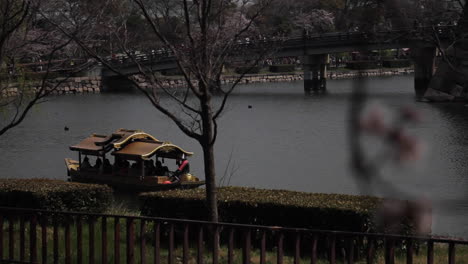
[36,236]
[305,40]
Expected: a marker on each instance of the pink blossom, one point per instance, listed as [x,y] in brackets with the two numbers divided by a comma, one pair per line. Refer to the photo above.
[420,213]
[393,213]
[374,122]
[390,215]
[410,114]
[409,148]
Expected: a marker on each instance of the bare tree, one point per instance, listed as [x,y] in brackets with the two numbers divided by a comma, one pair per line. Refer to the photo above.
[21,40]
[209,34]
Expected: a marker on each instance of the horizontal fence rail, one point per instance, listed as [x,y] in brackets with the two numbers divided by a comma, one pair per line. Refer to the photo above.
[37,236]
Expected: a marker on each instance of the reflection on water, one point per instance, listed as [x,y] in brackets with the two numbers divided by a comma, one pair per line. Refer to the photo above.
[285,140]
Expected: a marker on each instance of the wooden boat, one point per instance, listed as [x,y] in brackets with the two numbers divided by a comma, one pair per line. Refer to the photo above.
[133,169]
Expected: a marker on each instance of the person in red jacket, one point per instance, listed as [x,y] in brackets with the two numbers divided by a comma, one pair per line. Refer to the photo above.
[184,167]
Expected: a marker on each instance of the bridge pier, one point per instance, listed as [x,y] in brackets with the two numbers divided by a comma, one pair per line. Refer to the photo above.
[424,68]
[315,72]
[323,73]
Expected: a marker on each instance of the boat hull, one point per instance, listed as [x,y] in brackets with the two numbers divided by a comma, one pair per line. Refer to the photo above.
[127,183]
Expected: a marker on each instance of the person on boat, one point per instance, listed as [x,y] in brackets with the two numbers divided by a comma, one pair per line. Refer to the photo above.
[98,163]
[85,164]
[123,166]
[165,171]
[107,166]
[149,167]
[184,168]
[136,168]
[159,170]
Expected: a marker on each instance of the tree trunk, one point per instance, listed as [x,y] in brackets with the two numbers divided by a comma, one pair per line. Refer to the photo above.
[208,156]
[210,177]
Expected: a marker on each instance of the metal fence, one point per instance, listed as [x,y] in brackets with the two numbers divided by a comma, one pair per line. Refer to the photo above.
[36,236]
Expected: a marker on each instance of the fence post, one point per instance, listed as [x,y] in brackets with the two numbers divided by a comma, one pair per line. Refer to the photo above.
[332,249]
[389,251]
[170,254]
[117,240]
[79,239]
[32,239]
[430,252]
[200,245]
[1,237]
[216,244]
[185,249]
[263,248]
[22,240]
[313,254]
[157,243]
[142,242]
[297,248]
[67,241]
[55,240]
[44,238]
[370,250]
[409,251]
[11,238]
[231,246]
[104,239]
[91,239]
[351,250]
[130,240]
[246,253]
[279,255]
[451,256]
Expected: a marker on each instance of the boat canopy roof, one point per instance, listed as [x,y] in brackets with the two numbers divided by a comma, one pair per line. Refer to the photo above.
[146,149]
[129,144]
[127,137]
[91,145]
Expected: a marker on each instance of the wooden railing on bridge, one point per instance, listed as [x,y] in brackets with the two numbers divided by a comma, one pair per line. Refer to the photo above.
[36,236]
[341,38]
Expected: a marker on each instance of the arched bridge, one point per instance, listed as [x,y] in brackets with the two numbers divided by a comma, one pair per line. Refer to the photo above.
[314,50]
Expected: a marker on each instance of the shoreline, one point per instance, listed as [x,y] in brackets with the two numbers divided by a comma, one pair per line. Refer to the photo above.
[82,85]
[178,82]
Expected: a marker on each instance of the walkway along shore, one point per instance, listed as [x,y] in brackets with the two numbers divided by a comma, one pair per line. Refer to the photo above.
[78,85]
[178,82]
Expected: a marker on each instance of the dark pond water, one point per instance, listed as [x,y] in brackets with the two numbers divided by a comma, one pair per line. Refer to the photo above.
[285,140]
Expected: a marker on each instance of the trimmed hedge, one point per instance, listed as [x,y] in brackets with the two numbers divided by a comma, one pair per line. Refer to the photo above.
[246,69]
[54,195]
[362,65]
[282,68]
[396,63]
[267,207]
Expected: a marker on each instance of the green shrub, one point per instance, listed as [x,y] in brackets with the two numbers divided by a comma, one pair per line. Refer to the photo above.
[282,68]
[396,63]
[267,207]
[54,195]
[247,69]
[362,65]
